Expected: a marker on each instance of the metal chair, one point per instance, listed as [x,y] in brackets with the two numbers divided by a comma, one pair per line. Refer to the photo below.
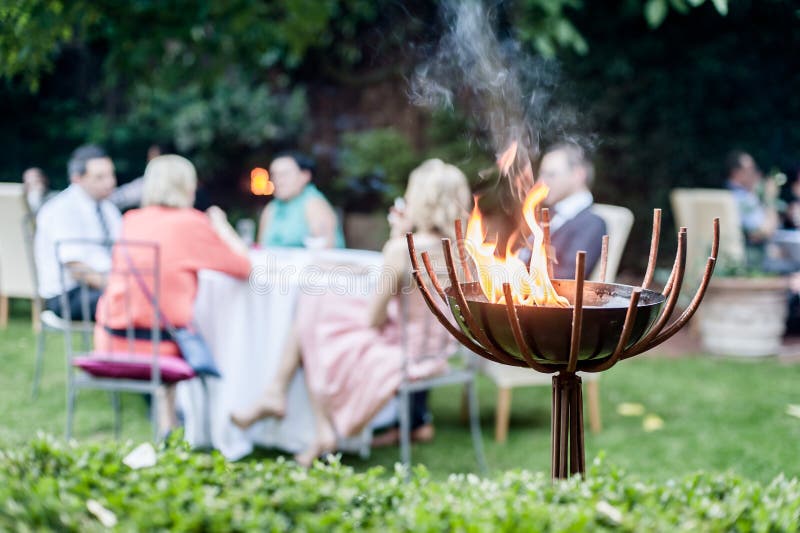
[111,368]
[462,370]
[45,321]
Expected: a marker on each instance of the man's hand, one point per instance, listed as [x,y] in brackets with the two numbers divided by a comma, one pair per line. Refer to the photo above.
[84,274]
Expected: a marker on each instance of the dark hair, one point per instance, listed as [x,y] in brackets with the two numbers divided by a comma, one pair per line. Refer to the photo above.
[164,148]
[81,156]
[576,157]
[733,161]
[792,173]
[303,161]
[792,176]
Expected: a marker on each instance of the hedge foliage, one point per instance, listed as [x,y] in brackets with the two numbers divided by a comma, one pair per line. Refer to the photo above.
[50,485]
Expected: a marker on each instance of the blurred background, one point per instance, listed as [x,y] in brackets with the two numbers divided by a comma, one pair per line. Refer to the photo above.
[664,88]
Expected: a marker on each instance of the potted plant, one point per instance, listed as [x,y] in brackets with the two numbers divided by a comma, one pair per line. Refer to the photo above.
[744,311]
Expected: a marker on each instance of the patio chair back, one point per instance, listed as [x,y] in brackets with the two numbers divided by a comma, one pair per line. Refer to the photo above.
[619,221]
[16,278]
[696,209]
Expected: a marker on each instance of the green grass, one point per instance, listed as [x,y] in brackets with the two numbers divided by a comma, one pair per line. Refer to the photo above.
[718,414]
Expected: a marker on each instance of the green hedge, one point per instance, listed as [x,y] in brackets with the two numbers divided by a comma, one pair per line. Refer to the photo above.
[47,484]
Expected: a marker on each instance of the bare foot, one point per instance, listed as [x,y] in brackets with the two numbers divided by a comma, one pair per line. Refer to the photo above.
[424,433]
[270,405]
[391,437]
[323,446]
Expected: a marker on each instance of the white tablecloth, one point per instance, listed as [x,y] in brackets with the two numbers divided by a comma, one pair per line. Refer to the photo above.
[245,324]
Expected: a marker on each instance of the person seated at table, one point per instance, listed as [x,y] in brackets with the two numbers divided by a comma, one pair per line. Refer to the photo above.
[188,241]
[299,215]
[36,187]
[759,217]
[350,345]
[569,175]
[81,211]
[790,194]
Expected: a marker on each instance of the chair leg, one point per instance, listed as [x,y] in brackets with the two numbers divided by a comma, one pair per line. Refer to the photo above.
[593,392]
[366,441]
[86,337]
[207,412]
[405,429]
[36,312]
[71,393]
[37,371]
[502,414]
[475,426]
[155,411]
[116,406]
[465,412]
[3,311]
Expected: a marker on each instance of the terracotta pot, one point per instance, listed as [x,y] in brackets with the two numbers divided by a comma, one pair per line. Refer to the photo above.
[744,316]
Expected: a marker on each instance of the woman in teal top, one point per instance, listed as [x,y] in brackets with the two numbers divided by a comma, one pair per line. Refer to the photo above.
[299,211]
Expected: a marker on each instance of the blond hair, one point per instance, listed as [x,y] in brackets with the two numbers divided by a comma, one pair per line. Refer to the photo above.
[170,181]
[437,194]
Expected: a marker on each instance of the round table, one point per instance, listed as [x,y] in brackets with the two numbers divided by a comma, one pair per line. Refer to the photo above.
[245,324]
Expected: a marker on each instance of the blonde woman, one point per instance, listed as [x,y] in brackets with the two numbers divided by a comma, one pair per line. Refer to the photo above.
[350,346]
[189,241]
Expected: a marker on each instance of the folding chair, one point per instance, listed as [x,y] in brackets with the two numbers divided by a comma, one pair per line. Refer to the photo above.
[46,321]
[114,368]
[461,370]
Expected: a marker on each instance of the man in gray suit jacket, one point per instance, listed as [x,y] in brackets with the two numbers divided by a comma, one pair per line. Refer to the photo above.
[568,173]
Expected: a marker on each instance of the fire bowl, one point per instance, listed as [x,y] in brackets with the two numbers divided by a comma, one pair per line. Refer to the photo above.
[548,330]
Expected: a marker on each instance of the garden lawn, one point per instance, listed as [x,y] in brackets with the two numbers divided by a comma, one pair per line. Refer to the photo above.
[718,414]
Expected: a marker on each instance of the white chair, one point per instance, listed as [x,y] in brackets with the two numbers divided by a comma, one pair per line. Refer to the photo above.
[696,209]
[16,280]
[619,221]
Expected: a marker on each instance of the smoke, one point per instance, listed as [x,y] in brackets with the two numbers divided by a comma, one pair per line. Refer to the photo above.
[508,91]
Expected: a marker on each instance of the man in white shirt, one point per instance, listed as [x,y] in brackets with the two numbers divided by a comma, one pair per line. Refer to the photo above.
[568,173]
[81,211]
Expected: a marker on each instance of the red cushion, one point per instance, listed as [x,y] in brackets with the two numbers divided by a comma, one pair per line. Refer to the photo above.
[133,366]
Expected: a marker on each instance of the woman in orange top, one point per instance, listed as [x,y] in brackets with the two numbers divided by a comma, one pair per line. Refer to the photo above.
[188,241]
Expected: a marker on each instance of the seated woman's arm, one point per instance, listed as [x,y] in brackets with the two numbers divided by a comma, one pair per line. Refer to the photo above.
[264,221]
[223,228]
[395,265]
[215,245]
[322,220]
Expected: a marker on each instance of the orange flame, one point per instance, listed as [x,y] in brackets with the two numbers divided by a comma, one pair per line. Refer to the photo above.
[530,284]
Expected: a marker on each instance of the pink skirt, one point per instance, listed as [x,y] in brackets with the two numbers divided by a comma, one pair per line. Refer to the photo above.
[352,368]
